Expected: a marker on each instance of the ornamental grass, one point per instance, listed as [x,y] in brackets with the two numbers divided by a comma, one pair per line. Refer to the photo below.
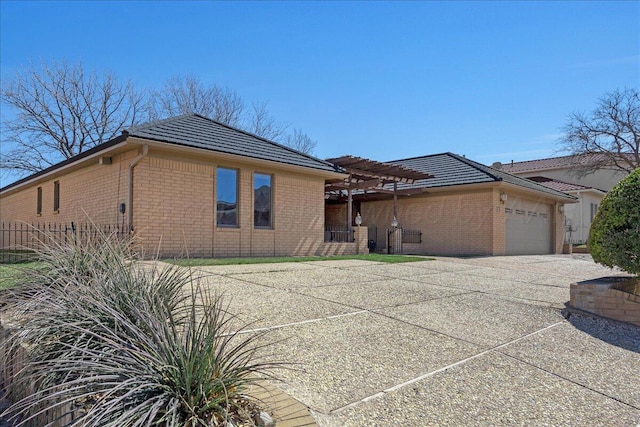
[114,342]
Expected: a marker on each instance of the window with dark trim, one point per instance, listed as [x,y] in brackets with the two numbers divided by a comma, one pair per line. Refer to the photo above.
[56,196]
[262,200]
[39,202]
[227,197]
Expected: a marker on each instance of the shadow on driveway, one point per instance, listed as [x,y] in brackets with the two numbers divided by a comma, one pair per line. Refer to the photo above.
[616,333]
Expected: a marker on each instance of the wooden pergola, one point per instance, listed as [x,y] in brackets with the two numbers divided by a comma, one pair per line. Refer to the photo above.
[371,176]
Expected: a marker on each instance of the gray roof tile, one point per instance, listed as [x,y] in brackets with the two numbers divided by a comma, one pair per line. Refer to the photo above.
[450,169]
[198,131]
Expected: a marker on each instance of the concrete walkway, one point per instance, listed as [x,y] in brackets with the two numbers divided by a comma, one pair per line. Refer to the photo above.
[478,341]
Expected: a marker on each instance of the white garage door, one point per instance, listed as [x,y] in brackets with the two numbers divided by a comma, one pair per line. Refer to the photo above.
[528,227]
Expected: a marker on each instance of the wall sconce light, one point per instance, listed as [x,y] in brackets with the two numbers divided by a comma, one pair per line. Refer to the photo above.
[358,220]
[394,222]
[561,208]
[503,197]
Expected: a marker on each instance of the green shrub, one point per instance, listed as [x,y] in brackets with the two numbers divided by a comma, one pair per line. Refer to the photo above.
[126,344]
[614,238]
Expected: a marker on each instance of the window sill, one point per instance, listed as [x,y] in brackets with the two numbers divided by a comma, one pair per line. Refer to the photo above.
[56,212]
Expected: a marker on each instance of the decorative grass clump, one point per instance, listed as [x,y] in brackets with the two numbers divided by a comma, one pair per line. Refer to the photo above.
[120,343]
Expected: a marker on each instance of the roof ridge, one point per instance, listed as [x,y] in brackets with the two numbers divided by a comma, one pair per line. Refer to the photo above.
[538,160]
[228,126]
[476,165]
[416,157]
[152,123]
[264,139]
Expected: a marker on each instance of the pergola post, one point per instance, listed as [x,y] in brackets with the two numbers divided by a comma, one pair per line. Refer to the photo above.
[395,199]
[349,208]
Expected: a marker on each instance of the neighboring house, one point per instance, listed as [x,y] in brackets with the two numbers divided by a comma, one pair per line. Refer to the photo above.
[466,209]
[560,173]
[578,216]
[187,186]
[564,169]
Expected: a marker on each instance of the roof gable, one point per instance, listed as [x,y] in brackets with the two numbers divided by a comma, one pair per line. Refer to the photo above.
[197,131]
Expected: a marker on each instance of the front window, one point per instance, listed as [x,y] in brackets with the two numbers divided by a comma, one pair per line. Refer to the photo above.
[227,197]
[261,200]
[39,202]
[56,196]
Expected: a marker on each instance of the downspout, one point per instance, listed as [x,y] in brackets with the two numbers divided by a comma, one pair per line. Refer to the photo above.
[134,162]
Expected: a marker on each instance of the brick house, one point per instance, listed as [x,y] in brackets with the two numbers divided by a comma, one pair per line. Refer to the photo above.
[466,209]
[187,186]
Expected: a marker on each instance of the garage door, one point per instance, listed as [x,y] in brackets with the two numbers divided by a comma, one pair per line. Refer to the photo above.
[528,227]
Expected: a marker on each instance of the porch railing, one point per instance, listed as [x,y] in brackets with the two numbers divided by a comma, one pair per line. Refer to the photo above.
[338,234]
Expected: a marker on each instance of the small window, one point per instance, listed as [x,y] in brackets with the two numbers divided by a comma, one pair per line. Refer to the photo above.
[594,210]
[261,200]
[39,202]
[227,197]
[56,196]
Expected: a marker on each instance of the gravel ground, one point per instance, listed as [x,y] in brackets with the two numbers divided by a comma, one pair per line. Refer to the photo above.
[456,341]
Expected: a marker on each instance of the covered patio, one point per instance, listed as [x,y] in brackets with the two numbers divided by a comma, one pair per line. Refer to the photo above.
[368,180]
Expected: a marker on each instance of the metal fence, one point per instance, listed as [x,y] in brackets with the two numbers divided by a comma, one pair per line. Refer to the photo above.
[338,234]
[411,236]
[19,240]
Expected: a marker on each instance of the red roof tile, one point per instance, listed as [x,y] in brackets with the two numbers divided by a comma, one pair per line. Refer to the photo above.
[558,185]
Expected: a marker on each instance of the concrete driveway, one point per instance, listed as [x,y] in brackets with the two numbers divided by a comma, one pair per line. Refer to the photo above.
[477,341]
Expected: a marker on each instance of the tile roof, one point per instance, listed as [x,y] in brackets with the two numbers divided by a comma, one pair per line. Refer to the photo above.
[553,163]
[558,185]
[450,169]
[197,131]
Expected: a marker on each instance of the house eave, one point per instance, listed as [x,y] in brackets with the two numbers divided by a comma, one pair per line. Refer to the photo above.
[235,158]
[65,165]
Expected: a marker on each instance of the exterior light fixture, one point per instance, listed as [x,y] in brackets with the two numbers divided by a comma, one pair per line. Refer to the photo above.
[503,197]
[358,219]
[561,208]
[394,222]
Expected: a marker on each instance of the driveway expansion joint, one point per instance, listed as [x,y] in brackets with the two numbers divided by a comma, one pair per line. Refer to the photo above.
[444,368]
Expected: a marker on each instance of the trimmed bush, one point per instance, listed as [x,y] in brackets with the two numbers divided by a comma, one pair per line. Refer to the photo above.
[614,238]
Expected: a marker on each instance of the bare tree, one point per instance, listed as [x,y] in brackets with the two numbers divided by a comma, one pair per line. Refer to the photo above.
[608,138]
[61,111]
[261,123]
[188,94]
[300,141]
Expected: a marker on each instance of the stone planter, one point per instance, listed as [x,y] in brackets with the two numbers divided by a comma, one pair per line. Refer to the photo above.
[614,297]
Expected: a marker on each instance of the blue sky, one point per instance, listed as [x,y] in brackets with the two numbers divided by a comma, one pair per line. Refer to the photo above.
[385,80]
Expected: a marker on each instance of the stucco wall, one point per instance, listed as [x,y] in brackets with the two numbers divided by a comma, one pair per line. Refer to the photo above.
[580,216]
